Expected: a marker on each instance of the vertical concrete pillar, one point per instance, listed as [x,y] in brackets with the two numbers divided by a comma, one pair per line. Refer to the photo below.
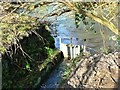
[71,52]
[74,49]
[66,51]
[68,48]
[84,48]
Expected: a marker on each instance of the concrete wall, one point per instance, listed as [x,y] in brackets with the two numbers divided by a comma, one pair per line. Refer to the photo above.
[72,52]
[64,49]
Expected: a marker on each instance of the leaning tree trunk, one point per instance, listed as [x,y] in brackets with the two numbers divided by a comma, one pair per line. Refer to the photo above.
[102,21]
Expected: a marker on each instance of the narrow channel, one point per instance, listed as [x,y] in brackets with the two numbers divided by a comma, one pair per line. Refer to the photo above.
[55,77]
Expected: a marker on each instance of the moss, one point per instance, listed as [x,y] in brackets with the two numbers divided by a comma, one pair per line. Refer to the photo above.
[30,70]
[26,79]
[15,72]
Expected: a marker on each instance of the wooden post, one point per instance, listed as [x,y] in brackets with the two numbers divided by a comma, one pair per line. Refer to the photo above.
[70,39]
[71,45]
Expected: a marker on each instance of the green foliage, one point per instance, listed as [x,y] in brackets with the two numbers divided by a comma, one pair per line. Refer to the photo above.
[49,51]
[118,42]
[103,50]
[86,5]
[77,19]
[50,38]
[118,38]
[2,50]
[66,73]
[27,66]
[81,18]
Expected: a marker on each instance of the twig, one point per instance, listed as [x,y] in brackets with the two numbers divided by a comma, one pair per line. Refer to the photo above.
[40,37]
[113,79]
[58,13]
[9,13]
[23,52]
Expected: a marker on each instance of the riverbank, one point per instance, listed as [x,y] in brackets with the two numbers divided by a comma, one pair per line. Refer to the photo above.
[97,71]
[29,62]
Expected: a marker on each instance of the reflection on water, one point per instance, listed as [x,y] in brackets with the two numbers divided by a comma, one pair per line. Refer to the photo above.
[92,39]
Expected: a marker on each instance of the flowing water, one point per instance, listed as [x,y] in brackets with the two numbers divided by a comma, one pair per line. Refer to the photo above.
[92,39]
[55,77]
[65,26]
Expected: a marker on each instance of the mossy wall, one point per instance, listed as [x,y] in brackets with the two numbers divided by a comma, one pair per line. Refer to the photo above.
[25,67]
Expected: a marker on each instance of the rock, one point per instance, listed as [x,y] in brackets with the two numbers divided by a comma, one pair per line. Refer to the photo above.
[91,58]
[97,71]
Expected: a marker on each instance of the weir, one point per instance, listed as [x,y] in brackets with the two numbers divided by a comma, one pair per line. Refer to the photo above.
[71,50]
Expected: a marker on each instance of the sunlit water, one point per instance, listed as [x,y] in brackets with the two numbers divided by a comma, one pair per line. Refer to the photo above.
[65,27]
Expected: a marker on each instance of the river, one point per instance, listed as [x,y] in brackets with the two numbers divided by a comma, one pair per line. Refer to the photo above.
[92,39]
[55,77]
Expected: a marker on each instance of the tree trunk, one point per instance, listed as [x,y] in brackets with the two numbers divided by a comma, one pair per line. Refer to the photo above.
[104,21]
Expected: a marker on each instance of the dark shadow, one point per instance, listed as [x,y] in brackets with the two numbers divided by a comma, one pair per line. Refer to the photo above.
[66,85]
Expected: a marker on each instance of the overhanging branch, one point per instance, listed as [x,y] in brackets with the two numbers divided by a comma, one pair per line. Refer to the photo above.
[102,21]
[58,13]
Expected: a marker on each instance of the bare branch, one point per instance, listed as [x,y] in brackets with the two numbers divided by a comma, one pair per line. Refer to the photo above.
[102,21]
[58,13]
[112,18]
[23,52]
[39,37]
